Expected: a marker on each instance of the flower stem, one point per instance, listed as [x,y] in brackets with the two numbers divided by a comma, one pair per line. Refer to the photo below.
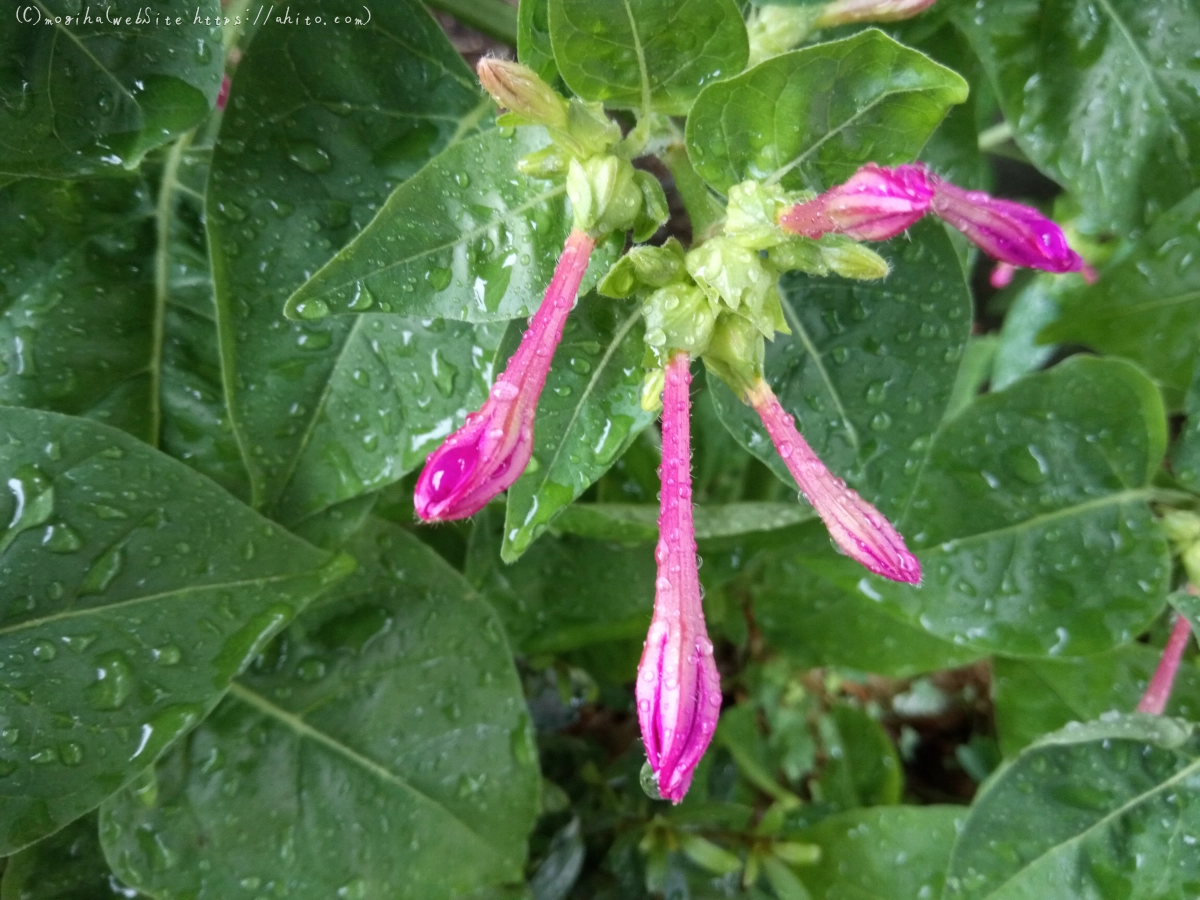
[1158,692]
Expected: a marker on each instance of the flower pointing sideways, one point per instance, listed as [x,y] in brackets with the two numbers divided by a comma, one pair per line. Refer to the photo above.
[494,445]
[878,203]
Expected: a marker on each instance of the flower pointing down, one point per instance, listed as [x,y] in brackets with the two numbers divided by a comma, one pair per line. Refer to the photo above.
[490,451]
[678,686]
[857,527]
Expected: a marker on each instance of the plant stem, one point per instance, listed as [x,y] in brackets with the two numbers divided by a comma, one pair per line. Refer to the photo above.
[494,18]
[991,138]
[1158,692]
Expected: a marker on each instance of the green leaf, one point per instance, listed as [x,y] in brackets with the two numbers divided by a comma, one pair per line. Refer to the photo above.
[1019,353]
[322,123]
[77,295]
[1144,306]
[86,95]
[1185,457]
[1101,96]
[896,853]
[811,117]
[974,372]
[468,238]
[638,522]
[533,38]
[1031,517]
[382,740]
[589,413]
[1034,697]
[863,768]
[398,387]
[1107,809]
[68,865]
[136,590]
[651,55]
[564,593]
[868,369]
[804,599]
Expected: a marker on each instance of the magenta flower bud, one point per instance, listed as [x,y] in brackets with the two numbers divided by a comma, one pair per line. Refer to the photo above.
[678,686]
[1002,275]
[1007,231]
[856,526]
[490,451]
[877,203]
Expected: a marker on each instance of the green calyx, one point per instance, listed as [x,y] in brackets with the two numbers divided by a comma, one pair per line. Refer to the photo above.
[740,280]
[735,354]
[1183,531]
[608,194]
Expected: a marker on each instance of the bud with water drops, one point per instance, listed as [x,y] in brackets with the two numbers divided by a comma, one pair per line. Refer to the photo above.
[678,686]
[877,203]
[857,527]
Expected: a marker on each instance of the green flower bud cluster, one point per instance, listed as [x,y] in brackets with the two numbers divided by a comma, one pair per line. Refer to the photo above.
[720,301]
[1183,531]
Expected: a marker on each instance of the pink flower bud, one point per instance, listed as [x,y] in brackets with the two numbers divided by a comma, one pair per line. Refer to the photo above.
[877,203]
[848,12]
[678,686]
[1002,275]
[1004,230]
[855,525]
[223,94]
[490,451]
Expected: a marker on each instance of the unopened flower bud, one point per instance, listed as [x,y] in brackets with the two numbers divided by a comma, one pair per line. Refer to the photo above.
[644,266]
[849,12]
[877,203]
[851,260]
[490,451]
[678,685]
[518,88]
[857,527]
[1007,231]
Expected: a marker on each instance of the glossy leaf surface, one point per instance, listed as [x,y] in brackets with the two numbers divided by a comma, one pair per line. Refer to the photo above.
[1115,803]
[651,55]
[68,865]
[811,117]
[589,413]
[887,853]
[1101,96]
[468,238]
[322,124]
[136,591]
[85,94]
[379,738]
[1145,305]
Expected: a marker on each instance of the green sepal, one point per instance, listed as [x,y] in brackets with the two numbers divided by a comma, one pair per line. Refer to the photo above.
[549,163]
[654,211]
[607,195]
[752,213]
[678,317]
[739,278]
[645,267]
[851,259]
[735,353]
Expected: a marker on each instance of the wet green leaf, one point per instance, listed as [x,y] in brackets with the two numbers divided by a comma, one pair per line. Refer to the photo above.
[322,124]
[533,38]
[1116,813]
[136,590]
[381,737]
[811,117]
[68,865]
[1035,697]
[1145,304]
[638,522]
[589,413]
[1185,457]
[651,55]
[863,767]
[468,238]
[868,369]
[83,94]
[564,593]
[1019,352]
[1101,96]
[896,853]
[1031,517]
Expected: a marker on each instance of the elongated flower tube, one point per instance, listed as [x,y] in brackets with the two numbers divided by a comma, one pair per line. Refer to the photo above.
[490,451]
[678,686]
[877,203]
[1004,230]
[856,526]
